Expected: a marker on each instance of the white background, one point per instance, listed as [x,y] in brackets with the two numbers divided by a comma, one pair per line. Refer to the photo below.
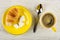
[41,33]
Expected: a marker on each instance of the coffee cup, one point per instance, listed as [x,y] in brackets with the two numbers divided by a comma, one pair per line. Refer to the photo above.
[48,20]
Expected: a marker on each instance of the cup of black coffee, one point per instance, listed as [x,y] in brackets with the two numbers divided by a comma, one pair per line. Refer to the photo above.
[48,20]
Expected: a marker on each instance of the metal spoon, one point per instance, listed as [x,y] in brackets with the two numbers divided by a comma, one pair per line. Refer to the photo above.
[39,9]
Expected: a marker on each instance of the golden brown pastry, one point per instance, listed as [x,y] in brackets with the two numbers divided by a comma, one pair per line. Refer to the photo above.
[13,16]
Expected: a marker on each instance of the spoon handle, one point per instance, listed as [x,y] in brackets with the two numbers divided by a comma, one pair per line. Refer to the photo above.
[34,30]
[35,26]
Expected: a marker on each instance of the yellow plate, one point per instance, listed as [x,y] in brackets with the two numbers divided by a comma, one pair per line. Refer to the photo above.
[20,30]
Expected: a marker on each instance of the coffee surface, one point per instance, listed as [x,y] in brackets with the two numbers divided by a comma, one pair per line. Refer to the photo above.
[48,20]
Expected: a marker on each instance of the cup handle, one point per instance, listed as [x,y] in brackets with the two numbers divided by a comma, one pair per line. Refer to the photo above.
[53,29]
